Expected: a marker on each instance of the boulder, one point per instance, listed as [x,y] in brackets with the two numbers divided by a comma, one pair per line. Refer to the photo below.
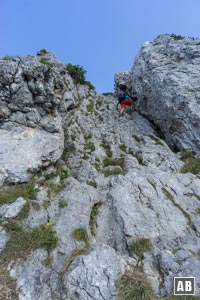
[12,210]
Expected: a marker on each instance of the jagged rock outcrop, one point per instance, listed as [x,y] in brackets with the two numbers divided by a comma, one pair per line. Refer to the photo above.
[32,97]
[116,186]
[165,78]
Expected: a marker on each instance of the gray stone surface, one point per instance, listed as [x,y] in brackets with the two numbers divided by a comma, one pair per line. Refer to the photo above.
[12,210]
[165,77]
[80,199]
[150,198]
[94,276]
[31,94]
[24,150]
[3,238]
[33,278]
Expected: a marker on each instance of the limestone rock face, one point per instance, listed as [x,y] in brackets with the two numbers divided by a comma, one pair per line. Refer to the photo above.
[33,277]
[95,275]
[31,92]
[24,150]
[115,184]
[165,77]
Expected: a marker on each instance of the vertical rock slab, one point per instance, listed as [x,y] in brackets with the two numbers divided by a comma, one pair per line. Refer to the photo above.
[165,77]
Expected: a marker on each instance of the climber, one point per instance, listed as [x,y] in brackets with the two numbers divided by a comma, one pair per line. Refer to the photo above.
[124,100]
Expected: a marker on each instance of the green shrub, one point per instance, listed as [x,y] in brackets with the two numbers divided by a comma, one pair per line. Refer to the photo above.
[45,61]
[133,285]
[78,75]
[177,37]
[42,52]
[140,246]
[44,237]
[90,85]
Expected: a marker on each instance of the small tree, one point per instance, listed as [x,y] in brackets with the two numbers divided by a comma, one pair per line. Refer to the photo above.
[78,75]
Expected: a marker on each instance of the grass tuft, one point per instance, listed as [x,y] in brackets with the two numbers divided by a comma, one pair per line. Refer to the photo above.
[107,148]
[140,246]
[9,194]
[168,194]
[133,285]
[62,204]
[80,235]
[152,183]
[192,164]
[113,162]
[22,241]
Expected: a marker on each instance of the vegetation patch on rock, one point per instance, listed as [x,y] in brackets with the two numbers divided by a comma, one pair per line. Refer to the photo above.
[133,285]
[140,246]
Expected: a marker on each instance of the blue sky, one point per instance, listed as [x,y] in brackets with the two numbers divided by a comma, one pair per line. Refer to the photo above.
[103,36]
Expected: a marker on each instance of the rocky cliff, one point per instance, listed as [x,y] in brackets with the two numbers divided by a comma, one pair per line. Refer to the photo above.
[165,77]
[94,206]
